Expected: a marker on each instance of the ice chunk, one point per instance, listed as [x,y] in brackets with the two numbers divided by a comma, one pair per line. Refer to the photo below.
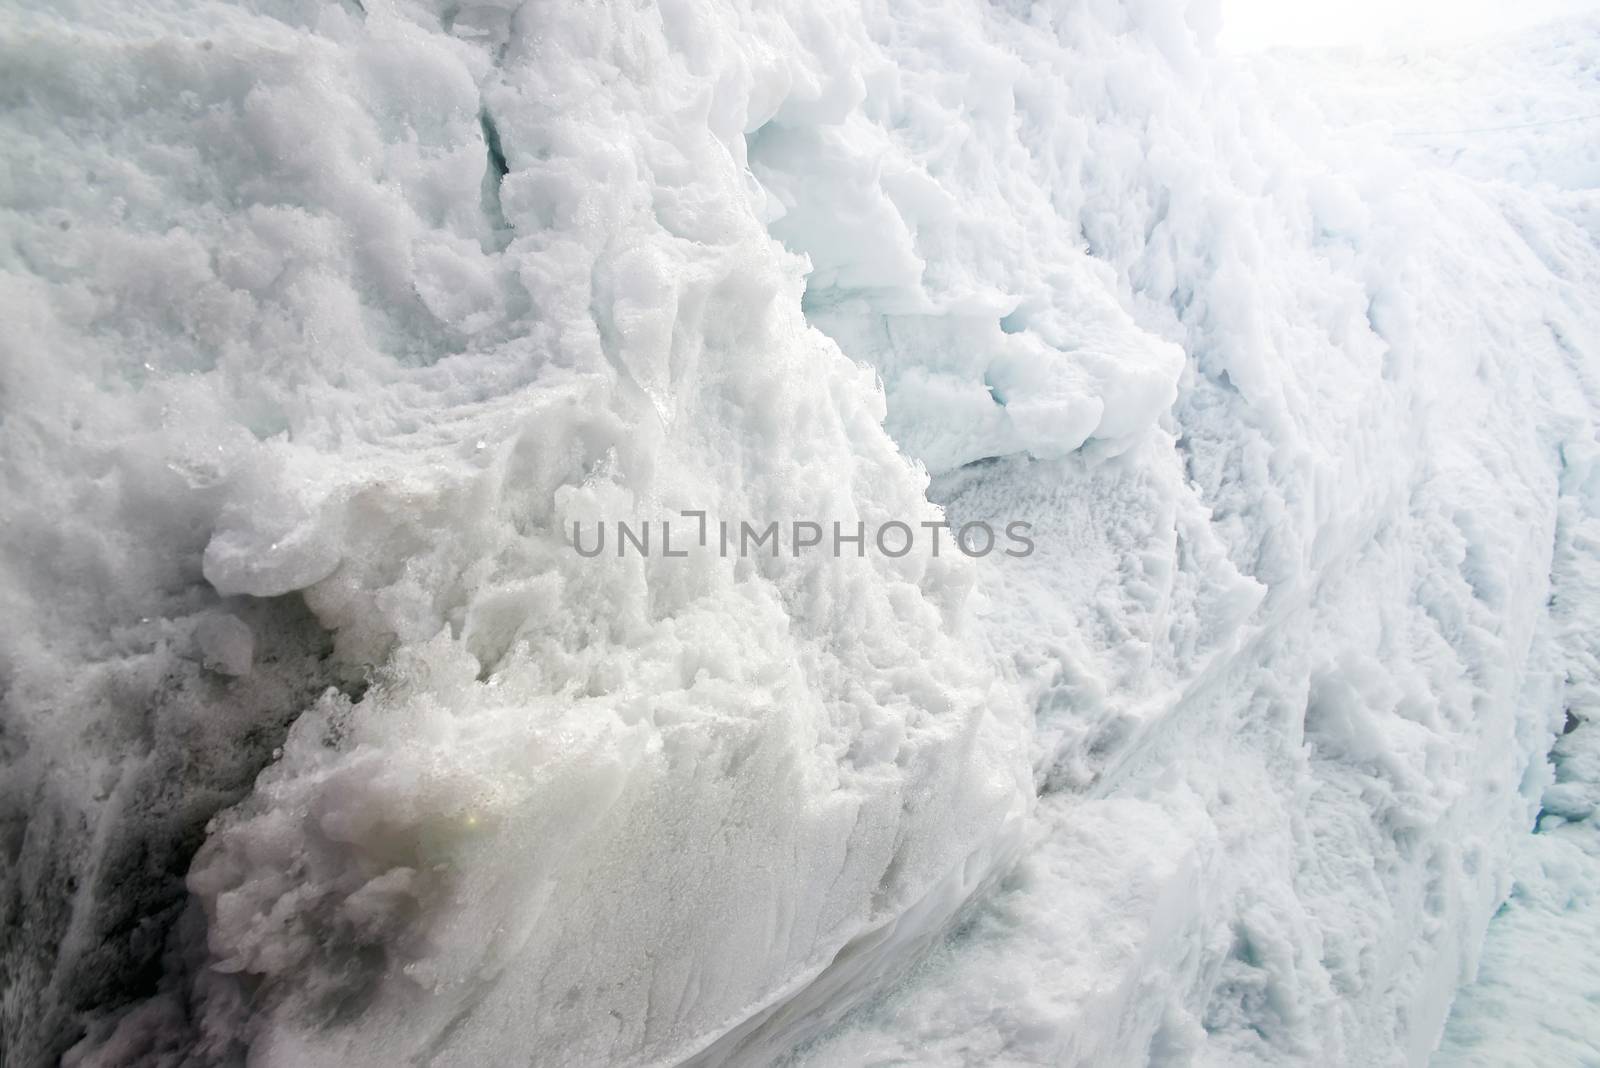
[226,643]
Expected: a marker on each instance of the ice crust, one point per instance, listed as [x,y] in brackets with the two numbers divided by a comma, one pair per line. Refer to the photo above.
[326,322]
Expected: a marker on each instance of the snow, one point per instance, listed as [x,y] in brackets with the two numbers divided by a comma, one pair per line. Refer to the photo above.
[327,322]
[1534,995]
[625,790]
[1383,25]
[1533,1000]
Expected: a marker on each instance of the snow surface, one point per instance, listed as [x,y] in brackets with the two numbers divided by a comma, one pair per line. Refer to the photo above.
[1382,25]
[326,322]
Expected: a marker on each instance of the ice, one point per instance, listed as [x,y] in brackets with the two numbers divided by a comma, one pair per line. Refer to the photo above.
[328,322]
[226,644]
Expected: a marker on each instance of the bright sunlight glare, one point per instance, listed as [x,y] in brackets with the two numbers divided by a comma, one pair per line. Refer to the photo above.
[1252,25]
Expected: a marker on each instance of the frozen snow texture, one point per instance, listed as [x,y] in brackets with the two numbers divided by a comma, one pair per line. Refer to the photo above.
[1539,980]
[610,807]
[330,321]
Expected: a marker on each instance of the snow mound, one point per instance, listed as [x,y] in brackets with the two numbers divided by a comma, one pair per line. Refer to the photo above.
[333,324]
[385,304]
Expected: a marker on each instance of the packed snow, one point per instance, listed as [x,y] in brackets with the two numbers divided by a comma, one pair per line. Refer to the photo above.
[329,323]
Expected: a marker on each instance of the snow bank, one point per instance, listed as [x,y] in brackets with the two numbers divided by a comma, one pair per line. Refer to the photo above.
[610,806]
[1534,994]
[1293,666]
[331,321]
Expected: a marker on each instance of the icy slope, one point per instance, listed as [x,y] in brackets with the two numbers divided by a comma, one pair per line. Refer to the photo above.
[330,322]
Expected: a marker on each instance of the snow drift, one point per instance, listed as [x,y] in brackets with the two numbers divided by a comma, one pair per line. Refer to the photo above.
[329,322]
